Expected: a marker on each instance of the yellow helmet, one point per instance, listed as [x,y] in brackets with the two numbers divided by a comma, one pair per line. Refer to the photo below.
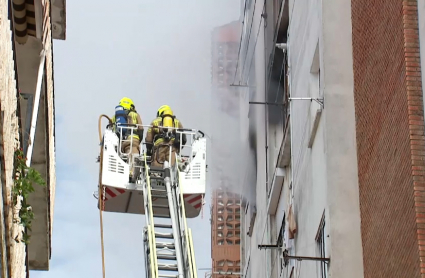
[167,112]
[162,109]
[127,103]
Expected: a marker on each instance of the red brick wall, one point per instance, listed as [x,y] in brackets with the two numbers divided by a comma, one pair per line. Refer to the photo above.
[390,136]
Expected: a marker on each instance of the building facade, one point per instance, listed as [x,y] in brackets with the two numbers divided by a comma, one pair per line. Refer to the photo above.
[225,210]
[335,117]
[27,29]
[225,234]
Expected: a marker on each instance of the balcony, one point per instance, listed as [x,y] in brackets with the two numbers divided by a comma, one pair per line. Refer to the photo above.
[35,82]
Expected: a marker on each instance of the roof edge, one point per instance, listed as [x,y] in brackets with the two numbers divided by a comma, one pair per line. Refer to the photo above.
[58,16]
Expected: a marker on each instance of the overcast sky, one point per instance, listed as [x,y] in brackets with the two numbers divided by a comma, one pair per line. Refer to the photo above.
[155,52]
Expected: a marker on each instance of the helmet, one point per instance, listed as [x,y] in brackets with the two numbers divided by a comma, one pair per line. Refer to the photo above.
[162,109]
[127,103]
[167,112]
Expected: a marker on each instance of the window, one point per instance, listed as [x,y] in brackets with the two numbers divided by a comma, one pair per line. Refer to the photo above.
[220,227]
[220,263]
[229,234]
[229,218]
[220,242]
[321,244]
[220,210]
[229,226]
[220,218]
[229,210]
[220,234]
[229,242]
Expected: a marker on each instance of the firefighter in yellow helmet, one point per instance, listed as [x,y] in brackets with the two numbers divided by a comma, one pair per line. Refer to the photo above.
[159,138]
[126,115]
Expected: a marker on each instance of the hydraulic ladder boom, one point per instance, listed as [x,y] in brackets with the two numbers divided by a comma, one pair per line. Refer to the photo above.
[166,195]
[175,256]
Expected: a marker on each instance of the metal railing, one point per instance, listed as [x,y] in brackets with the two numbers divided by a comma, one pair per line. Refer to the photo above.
[131,128]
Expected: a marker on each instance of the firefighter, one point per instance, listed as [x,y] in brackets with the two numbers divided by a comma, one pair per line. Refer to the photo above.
[159,138]
[126,115]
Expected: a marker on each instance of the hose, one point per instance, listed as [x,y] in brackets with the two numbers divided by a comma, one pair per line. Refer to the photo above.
[100,125]
[101,193]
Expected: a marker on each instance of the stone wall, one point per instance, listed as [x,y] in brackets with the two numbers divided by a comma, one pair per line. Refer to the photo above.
[10,139]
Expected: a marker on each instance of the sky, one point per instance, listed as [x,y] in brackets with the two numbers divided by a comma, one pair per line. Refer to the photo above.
[155,52]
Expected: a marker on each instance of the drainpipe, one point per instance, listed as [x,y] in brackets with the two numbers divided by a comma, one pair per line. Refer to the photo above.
[291,121]
[36,105]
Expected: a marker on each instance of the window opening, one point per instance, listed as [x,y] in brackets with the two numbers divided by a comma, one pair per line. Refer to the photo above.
[321,243]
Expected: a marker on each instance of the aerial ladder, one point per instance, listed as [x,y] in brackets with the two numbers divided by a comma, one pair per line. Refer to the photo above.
[166,195]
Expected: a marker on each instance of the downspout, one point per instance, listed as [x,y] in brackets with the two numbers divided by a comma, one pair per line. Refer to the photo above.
[291,121]
[36,105]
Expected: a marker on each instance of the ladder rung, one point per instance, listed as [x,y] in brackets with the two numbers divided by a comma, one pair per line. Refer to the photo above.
[167,276]
[163,235]
[167,245]
[163,226]
[161,215]
[166,257]
[159,196]
[160,206]
[156,169]
[171,267]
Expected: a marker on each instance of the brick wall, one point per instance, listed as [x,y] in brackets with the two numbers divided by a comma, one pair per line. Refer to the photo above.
[225,205]
[390,136]
[10,137]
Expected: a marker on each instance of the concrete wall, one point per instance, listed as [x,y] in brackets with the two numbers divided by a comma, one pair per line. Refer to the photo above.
[10,140]
[323,173]
[341,156]
[309,185]
[51,163]
[255,257]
